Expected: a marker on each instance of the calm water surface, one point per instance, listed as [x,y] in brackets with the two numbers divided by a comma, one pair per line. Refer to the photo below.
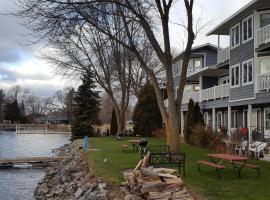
[19,184]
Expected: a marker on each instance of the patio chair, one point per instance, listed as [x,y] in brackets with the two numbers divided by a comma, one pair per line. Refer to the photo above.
[242,148]
[256,148]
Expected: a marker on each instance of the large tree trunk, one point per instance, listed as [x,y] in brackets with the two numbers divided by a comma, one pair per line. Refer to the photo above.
[173,134]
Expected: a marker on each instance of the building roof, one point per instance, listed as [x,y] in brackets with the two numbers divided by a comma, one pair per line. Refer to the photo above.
[196,48]
[224,27]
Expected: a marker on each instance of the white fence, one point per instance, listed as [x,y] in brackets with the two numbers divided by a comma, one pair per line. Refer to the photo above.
[216,92]
[263,82]
[263,35]
[223,55]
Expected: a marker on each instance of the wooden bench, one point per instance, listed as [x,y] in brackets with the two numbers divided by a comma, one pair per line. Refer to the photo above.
[251,166]
[210,164]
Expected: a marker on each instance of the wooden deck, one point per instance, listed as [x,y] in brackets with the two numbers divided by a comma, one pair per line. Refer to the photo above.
[30,160]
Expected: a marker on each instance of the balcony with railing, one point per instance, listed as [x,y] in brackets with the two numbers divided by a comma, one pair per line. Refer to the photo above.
[263,35]
[263,82]
[223,55]
[213,93]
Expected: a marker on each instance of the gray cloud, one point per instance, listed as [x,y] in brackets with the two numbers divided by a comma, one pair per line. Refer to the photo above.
[6,75]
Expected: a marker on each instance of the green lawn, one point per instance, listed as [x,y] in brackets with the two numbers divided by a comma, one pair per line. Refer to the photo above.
[207,185]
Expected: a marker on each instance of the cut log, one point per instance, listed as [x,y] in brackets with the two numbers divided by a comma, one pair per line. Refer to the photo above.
[174,181]
[166,175]
[165,170]
[152,187]
[148,172]
[159,195]
[138,166]
[146,159]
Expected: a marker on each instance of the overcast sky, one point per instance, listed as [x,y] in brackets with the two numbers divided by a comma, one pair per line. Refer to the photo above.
[19,65]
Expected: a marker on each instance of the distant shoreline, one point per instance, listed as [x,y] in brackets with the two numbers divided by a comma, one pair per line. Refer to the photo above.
[42,132]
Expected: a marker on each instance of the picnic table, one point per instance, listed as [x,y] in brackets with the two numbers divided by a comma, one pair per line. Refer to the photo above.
[238,162]
[135,144]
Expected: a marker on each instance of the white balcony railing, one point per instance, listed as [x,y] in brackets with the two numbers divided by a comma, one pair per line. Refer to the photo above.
[216,92]
[192,69]
[223,55]
[263,82]
[263,35]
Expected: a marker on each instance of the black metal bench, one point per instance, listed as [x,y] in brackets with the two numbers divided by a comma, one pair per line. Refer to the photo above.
[161,156]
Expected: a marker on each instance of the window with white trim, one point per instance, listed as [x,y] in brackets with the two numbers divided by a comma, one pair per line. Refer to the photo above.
[235,36]
[247,29]
[234,117]
[235,75]
[267,119]
[247,70]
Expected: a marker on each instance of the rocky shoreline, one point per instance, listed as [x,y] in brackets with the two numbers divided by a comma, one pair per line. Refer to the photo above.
[73,179]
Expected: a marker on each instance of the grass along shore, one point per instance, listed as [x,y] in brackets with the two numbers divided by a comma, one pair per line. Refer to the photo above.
[206,185]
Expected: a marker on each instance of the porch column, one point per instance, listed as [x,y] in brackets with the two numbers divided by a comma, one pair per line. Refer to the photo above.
[214,119]
[218,47]
[182,123]
[229,120]
[249,123]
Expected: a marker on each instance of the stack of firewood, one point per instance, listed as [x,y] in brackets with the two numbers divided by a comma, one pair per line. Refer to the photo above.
[155,183]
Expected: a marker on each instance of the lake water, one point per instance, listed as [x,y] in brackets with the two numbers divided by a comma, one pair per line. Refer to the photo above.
[19,184]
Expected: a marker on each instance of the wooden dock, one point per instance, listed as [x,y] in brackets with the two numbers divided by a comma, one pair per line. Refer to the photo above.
[29,160]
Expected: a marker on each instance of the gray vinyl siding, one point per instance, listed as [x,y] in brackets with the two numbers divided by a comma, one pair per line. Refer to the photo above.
[211,56]
[238,55]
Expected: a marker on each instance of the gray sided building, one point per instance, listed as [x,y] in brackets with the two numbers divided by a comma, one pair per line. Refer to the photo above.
[232,84]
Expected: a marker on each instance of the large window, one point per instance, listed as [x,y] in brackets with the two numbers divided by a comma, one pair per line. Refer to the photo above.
[265,65]
[247,70]
[235,36]
[247,29]
[234,75]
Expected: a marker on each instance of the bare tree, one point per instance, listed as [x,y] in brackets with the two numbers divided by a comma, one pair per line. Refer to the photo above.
[58,20]
[62,100]
[36,105]
[17,93]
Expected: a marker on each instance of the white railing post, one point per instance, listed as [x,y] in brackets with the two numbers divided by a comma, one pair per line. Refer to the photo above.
[263,35]
[214,95]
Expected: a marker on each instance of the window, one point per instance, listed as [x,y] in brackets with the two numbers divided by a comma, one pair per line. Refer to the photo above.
[235,36]
[267,119]
[177,68]
[247,29]
[234,119]
[235,75]
[265,65]
[264,19]
[245,119]
[205,118]
[224,80]
[219,120]
[197,62]
[247,76]
[225,119]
